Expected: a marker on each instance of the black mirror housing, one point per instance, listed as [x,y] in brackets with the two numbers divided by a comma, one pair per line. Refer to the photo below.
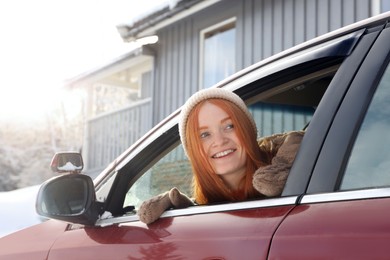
[70,198]
[67,162]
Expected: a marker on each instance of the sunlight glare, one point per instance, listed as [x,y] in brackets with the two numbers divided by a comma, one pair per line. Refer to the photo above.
[47,42]
[25,101]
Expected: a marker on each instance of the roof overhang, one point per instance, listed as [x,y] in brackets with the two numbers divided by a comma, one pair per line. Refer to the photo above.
[150,24]
[128,60]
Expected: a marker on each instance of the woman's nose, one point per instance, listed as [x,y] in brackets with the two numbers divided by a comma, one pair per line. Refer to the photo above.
[219,138]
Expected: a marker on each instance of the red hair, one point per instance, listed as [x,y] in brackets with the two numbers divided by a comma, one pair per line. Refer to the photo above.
[208,186]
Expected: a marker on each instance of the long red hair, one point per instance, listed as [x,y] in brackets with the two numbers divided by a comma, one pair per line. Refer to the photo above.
[208,186]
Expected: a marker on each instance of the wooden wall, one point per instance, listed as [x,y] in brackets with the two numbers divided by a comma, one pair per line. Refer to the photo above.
[263,28]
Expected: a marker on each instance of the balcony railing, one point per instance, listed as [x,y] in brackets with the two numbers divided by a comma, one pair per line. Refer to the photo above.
[110,134]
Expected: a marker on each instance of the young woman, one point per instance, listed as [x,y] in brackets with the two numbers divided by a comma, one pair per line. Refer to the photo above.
[219,136]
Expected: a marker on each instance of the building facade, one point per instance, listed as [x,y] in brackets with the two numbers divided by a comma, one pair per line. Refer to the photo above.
[199,44]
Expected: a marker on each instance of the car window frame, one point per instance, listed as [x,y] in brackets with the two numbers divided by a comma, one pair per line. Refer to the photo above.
[308,154]
[342,134]
[128,168]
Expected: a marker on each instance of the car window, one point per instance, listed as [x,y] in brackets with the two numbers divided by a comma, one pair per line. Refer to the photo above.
[287,107]
[369,163]
[274,118]
[174,170]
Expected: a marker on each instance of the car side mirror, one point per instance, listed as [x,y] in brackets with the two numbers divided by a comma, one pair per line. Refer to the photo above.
[69,197]
[67,162]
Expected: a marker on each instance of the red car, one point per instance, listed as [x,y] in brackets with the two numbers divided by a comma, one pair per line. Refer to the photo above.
[335,205]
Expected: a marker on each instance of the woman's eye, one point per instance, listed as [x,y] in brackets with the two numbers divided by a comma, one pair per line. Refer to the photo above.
[204,135]
[229,126]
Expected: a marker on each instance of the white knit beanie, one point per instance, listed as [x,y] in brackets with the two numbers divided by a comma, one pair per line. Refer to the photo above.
[204,94]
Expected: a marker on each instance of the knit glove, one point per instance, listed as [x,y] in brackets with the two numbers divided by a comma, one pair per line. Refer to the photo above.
[150,210]
[270,179]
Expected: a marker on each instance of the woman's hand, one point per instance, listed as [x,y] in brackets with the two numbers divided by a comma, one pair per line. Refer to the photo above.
[152,209]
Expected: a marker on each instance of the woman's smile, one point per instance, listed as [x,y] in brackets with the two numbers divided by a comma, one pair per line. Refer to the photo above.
[223,154]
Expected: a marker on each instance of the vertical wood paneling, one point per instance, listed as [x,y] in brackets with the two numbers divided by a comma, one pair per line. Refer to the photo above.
[311,19]
[194,54]
[363,8]
[268,30]
[176,61]
[288,24]
[164,78]
[278,29]
[257,30]
[299,29]
[180,61]
[168,91]
[272,119]
[335,12]
[348,14]
[111,134]
[188,76]
[322,17]
[243,29]
[264,27]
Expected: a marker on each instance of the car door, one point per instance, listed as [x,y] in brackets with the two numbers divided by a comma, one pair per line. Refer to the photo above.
[282,97]
[224,231]
[345,213]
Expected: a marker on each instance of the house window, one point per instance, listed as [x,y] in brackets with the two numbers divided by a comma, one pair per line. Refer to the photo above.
[217,54]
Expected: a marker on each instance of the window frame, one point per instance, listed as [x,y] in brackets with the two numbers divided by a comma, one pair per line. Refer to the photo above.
[169,140]
[202,36]
[337,146]
[365,135]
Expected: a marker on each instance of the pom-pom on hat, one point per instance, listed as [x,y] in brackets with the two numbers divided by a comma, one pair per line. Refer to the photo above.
[205,94]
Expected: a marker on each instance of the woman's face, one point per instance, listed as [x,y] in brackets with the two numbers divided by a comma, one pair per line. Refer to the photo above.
[220,143]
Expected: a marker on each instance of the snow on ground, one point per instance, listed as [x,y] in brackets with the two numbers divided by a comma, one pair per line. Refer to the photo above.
[18,210]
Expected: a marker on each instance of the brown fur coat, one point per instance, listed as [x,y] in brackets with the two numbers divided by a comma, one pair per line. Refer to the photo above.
[269,180]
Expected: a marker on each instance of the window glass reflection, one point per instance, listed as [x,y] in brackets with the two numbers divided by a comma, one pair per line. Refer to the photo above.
[369,164]
[219,55]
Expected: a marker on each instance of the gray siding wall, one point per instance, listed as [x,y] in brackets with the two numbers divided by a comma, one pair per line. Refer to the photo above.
[263,28]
